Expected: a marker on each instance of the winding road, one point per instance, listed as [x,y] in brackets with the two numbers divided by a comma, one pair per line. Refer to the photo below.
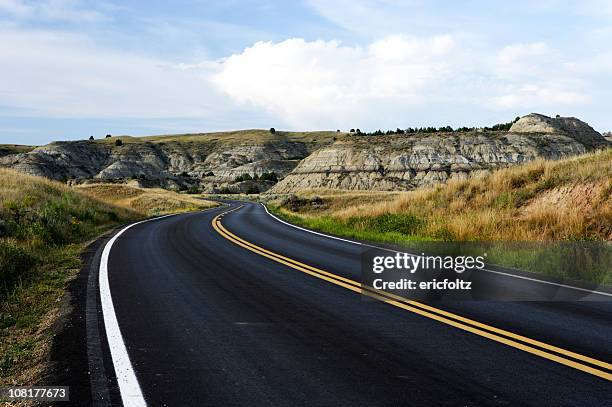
[231,307]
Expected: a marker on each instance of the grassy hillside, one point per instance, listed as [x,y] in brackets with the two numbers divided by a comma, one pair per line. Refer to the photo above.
[44,226]
[147,201]
[238,137]
[6,149]
[543,201]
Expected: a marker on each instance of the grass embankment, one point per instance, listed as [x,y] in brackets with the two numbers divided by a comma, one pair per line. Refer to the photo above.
[147,201]
[543,201]
[44,226]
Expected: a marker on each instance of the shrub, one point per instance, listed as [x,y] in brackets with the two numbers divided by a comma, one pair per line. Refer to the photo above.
[243,177]
[209,174]
[294,203]
[269,176]
[272,130]
[15,262]
[118,142]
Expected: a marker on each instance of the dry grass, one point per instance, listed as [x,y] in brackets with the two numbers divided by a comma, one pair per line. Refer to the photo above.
[548,217]
[337,200]
[44,226]
[540,201]
[33,191]
[238,137]
[146,201]
[14,149]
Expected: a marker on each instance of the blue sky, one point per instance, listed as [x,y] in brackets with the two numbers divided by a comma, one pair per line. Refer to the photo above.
[74,68]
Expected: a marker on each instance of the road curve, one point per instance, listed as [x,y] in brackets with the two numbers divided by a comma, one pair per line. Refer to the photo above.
[206,321]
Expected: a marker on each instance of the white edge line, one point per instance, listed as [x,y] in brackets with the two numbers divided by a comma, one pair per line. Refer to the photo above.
[320,234]
[395,251]
[131,395]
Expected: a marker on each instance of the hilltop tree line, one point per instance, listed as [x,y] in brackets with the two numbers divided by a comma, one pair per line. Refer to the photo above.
[431,129]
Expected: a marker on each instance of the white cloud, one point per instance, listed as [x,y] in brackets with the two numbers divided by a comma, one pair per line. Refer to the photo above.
[394,80]
[370,17]
[538,96]
[329,84]
[15,7]
[519,53]
[55,74]
[59,10]
[526,61]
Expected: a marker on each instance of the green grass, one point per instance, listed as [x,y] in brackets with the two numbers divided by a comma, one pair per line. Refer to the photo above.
[373,230]
[44,226]
[560,212]
[581,261]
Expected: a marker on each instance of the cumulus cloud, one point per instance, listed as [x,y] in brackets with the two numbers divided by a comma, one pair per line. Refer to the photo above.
[327,83]
[395,80]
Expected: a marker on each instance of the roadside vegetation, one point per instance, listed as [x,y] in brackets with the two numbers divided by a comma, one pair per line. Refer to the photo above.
[145,201]
[543,201]
[44,226]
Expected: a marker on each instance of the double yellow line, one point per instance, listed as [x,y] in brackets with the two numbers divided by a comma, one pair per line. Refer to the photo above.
[544,350]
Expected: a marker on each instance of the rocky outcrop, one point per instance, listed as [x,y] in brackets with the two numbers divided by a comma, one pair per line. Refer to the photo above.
[212,162]
[403,162]
[209,161]
[570,126]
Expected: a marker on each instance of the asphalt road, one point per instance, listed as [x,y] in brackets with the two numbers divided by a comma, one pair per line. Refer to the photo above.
[208,321]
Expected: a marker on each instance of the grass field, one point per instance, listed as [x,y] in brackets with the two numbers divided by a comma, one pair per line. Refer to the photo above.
[6,149]
[44,226]
[238,137]
[146,201]
[542,201]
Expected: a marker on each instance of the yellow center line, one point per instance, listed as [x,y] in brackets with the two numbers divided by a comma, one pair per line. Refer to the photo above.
[428,311]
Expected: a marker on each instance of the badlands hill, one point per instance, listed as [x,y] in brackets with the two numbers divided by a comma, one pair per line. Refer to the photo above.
[400,162]
[212,162]
[206,161]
